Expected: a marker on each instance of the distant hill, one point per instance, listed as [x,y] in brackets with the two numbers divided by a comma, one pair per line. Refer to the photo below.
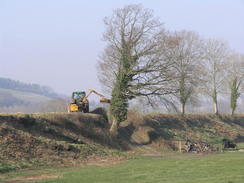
[7,83]
[16,96]
[9,98]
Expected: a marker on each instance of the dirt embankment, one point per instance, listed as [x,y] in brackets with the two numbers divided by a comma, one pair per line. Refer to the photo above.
[165,131]
[84,138]
[53,138]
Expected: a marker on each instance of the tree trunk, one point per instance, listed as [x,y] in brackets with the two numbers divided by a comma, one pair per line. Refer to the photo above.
[234,95]
[118,106]
[216,110]
[215,102]
[182,109]
[114,127]
[233,103]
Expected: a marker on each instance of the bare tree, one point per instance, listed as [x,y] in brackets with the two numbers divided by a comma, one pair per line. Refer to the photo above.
[133,62]
[235,78]
[216,54]
[186,51]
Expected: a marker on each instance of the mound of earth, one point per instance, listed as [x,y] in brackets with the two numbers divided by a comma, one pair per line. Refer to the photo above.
[170,132]
[75,138]
[53,138]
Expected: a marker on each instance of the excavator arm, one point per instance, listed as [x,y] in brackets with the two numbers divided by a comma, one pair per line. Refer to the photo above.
[102,98]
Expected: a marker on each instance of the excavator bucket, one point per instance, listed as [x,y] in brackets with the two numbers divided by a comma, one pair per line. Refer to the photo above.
[105,100]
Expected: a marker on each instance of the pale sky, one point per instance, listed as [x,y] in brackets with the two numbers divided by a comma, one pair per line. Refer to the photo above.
[57,42]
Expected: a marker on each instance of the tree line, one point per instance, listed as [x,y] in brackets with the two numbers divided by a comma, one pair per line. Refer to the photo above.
[7,83]
[143,59]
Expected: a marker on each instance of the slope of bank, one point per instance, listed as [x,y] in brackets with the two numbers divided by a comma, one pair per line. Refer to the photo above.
[165,131]
[53,138]
[69,139]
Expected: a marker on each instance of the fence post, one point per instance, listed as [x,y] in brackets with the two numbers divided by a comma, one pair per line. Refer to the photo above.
[179,146]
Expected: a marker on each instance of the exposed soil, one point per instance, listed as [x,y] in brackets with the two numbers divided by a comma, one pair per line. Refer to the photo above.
[64,139]
[74,139]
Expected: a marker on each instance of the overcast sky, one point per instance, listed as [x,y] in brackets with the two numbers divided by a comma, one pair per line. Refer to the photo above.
[57,42]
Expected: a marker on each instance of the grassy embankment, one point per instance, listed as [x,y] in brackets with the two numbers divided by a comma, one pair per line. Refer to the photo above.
[162,132]
[61,139]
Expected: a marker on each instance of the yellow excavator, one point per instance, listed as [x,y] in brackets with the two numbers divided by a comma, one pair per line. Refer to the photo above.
[80,101]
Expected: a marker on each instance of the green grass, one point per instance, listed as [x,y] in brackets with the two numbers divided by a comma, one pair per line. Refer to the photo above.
[176,168]
[240,145]
[10,166]
[7,166]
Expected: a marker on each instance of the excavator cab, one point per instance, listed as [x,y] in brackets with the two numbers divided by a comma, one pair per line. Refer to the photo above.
[78,95]
[78,103]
